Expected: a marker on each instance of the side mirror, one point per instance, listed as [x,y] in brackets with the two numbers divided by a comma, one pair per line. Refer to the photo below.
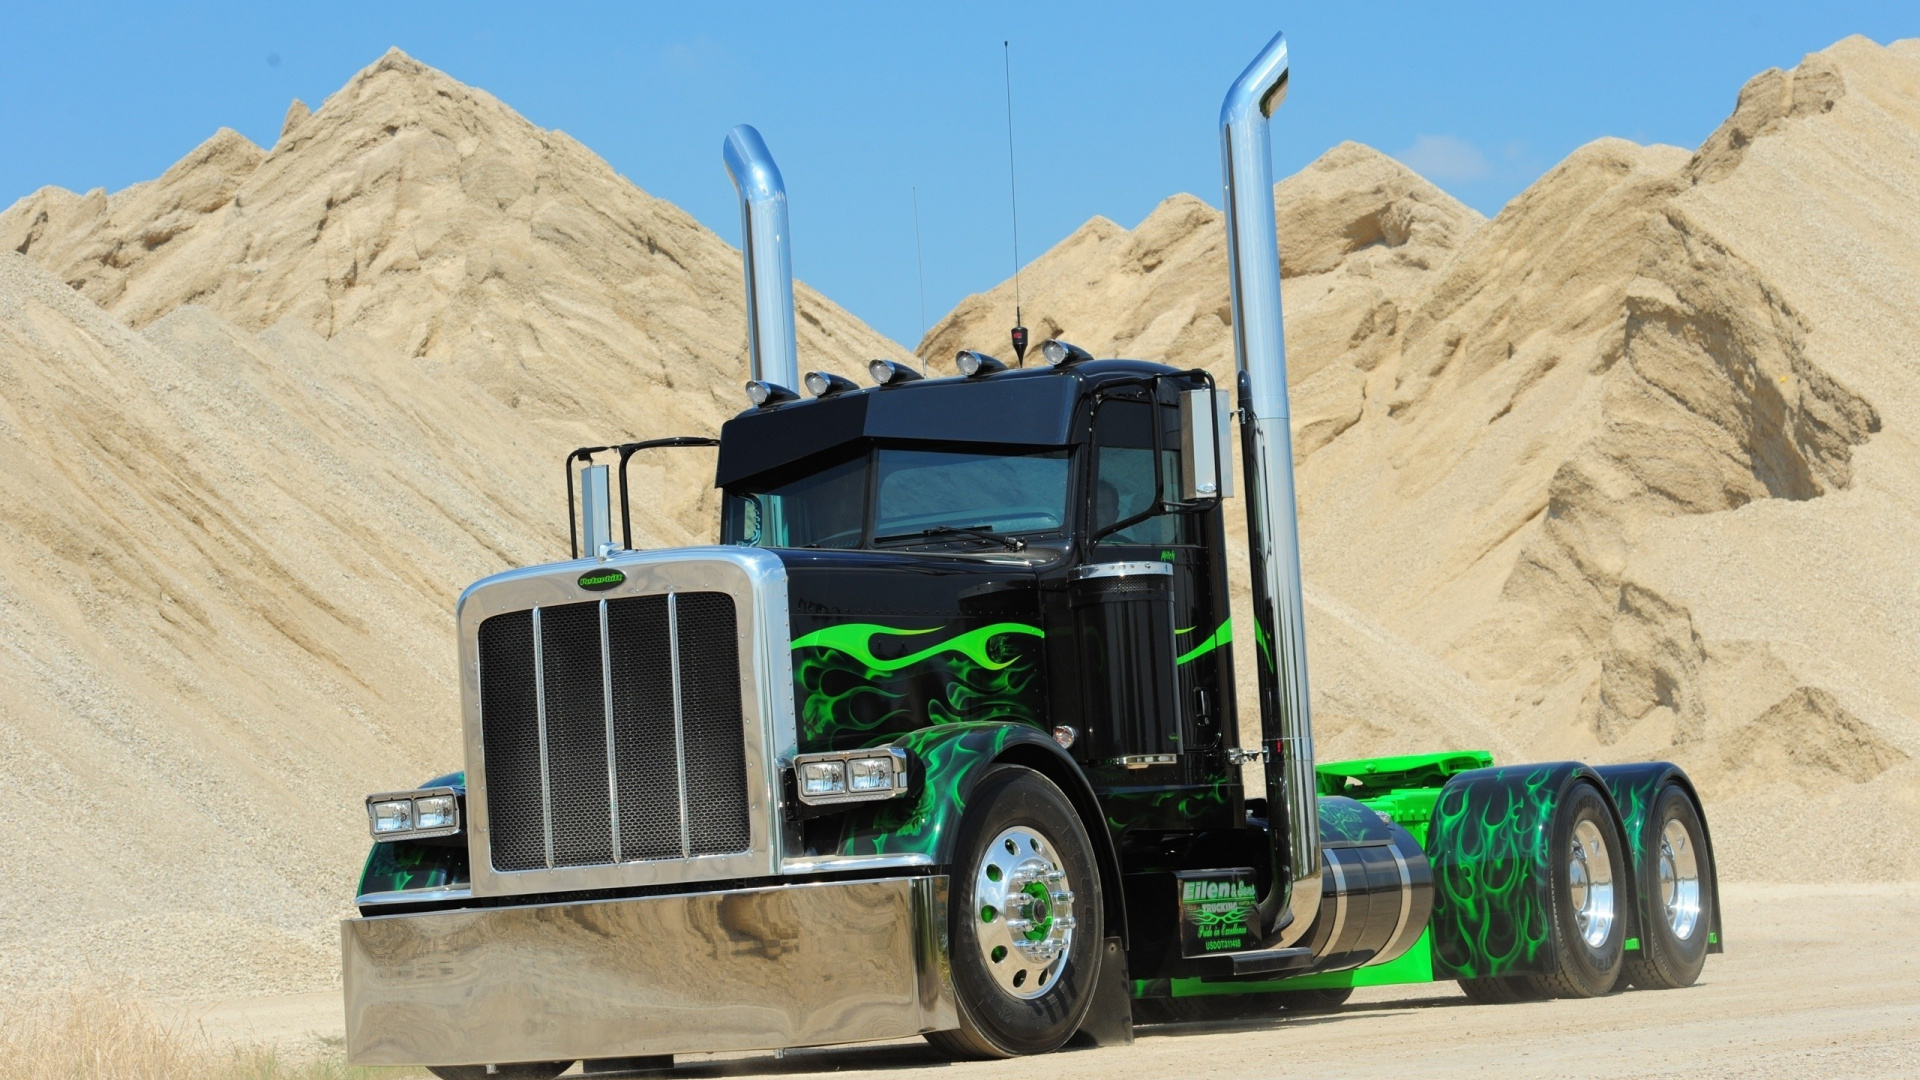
[1206,465]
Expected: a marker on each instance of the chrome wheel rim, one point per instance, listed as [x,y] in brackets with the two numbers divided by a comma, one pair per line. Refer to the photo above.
[1590,884]
[1679,879]
[1023,901]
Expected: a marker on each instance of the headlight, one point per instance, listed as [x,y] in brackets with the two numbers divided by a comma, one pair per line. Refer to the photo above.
[434,812]
[852,775]
[394,816]
[413,815]
[823,778]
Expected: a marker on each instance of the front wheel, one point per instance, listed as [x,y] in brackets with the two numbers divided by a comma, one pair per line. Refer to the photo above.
[1025,923]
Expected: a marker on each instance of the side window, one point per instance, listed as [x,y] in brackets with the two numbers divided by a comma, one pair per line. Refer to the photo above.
[1123,474]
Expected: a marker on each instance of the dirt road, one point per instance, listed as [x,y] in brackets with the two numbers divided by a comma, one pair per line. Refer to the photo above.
[1817,982]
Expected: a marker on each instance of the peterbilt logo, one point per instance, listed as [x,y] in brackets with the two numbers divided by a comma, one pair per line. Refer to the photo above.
[600,580]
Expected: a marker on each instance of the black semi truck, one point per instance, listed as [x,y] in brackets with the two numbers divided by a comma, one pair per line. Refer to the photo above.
[941,739]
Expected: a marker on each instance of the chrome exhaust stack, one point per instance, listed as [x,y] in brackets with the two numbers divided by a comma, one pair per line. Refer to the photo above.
[773,357]
[1273,532]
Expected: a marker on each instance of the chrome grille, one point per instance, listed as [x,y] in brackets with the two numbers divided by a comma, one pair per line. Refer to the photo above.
[611,731]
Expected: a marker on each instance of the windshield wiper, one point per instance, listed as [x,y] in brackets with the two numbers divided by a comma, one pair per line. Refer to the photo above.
[979,532]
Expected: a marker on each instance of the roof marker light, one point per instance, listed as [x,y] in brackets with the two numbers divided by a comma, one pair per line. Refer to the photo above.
[887,373]
[1057,353]
[763,393]
[826,384]
[973,364]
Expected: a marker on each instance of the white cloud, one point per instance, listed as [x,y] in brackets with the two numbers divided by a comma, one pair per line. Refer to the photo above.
[1444,157]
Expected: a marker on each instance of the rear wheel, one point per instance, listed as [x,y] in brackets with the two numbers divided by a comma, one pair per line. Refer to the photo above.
[1675,921]
[532,1070]
[1026,919]
[1586,894]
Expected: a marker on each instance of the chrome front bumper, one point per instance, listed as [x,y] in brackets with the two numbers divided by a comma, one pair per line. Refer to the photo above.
[753,969]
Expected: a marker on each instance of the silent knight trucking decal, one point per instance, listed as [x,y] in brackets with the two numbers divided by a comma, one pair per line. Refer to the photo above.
[600,580]
[1217,911]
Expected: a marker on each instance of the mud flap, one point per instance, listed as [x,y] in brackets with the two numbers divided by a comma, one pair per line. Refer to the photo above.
[1109,1021]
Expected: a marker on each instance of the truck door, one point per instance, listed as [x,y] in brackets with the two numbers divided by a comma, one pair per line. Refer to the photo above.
[1130,522]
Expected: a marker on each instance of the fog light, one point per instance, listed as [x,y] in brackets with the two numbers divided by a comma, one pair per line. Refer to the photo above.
[852,775]
[819,778]
[434,812]
[391,817]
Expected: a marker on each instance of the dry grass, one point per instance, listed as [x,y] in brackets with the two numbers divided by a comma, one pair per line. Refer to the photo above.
[97,1036]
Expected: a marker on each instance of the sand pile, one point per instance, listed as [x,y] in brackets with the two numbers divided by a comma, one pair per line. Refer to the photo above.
[261,419]
[1636,459]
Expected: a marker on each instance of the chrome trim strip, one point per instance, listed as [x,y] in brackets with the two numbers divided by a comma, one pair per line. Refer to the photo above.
[606,698]
[413,896]
[1122,569]
[822,864]
[1406,894]
[1339,900]
[742,969]
[679,721]
[540,716]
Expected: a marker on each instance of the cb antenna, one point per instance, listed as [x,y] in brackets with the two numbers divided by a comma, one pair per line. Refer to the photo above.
[1013,192]
[920,262]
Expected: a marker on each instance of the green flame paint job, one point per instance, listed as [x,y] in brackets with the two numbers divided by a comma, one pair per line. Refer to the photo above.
[1634,788]
[856,640]
[850,695]
[952,757]
[1172,807]
[1489,845]
[1221,636]
[1346,821]
[401,865]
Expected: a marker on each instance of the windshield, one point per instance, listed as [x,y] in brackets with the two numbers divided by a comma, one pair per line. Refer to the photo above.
[914,494]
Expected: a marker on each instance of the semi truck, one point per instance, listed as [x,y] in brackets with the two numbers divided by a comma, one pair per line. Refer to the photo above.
[941,739]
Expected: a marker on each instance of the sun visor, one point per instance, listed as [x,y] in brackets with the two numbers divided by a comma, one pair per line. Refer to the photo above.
[1035,410]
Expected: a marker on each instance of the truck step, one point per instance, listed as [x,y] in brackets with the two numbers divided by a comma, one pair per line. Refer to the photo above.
[1265,960]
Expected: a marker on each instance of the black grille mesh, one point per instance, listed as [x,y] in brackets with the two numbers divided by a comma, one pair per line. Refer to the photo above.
[510,741]
[710,710]
[647,766]
[576,735]
[643,728]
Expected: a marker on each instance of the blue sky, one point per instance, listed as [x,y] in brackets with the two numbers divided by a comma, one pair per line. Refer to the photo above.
[1114,103]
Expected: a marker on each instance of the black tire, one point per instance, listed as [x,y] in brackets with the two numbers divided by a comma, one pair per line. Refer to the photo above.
[1668,958]
[1589,961]
[1499,990]
[1325,999]
[532,1070]
[994,1021]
